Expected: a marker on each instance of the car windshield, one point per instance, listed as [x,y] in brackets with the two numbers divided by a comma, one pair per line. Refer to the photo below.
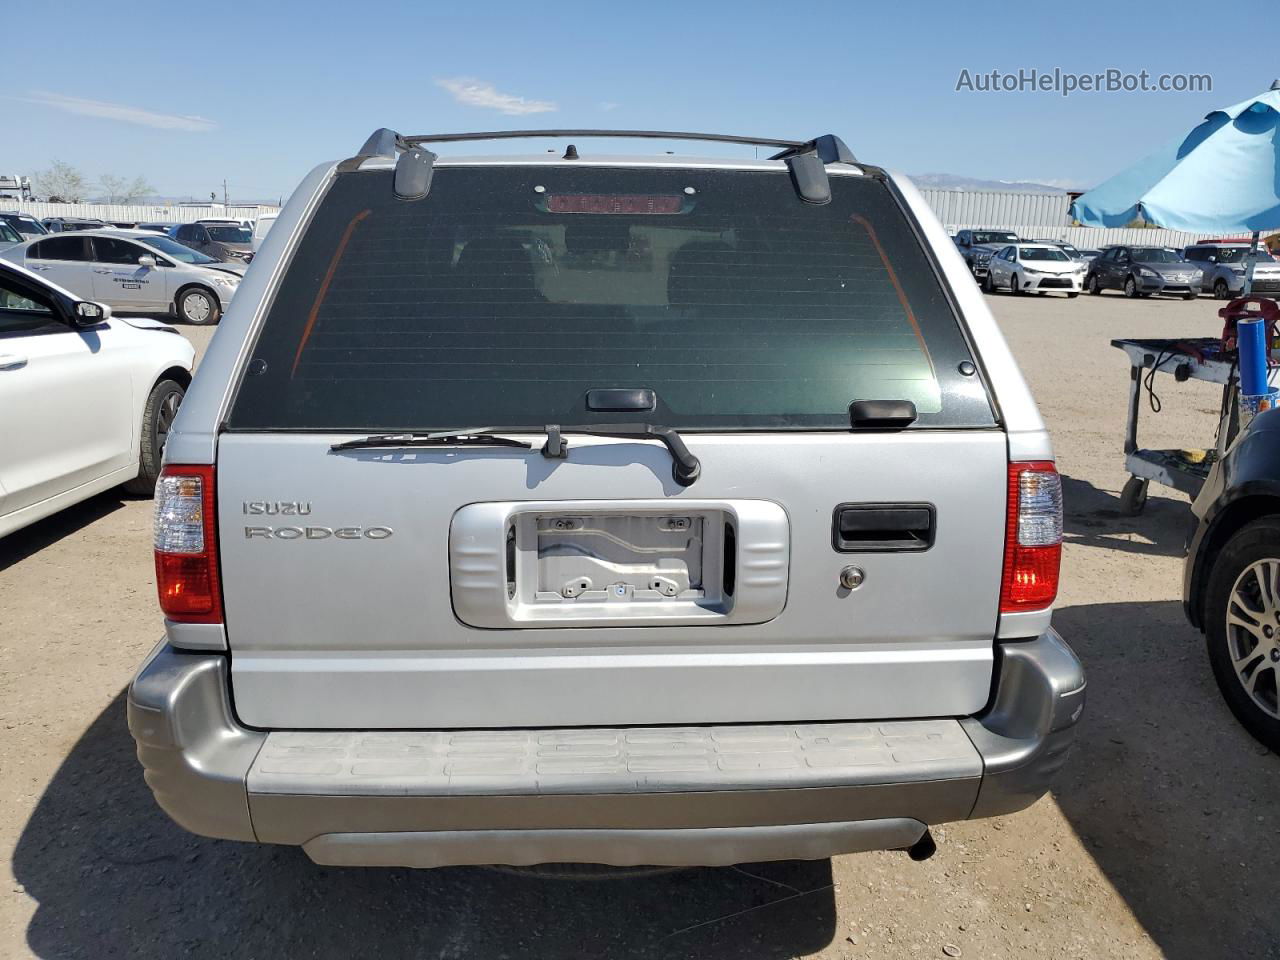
[230,234]
[27,226]
[1156,255]
[507,294]
[1240,255]
[1042,253]
[994,236]
[179,251]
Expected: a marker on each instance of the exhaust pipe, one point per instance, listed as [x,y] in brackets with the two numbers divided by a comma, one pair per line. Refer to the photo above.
[924,848]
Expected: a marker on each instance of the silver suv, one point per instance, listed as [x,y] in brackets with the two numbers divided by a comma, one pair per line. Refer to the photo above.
[620,510]
[1225,264]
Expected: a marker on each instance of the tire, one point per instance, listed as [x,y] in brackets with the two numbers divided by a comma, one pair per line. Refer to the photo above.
[1231,647]
[988,285]
[1133,498]
[1013,284]
[157,419]
[198,306]
[1092,285]
[1221,291]
[1131,287]
[1188,295]
[1071,295]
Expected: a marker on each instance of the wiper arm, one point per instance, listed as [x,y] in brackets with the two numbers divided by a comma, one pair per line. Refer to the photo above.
[471,437]
[685,467]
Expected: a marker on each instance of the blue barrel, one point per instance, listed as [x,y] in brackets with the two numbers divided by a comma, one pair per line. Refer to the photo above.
[1252,338]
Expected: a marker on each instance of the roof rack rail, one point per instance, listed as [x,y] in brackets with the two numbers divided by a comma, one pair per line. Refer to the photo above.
[806,159]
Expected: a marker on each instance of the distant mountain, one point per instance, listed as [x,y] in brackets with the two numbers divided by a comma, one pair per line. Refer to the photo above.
[949,181]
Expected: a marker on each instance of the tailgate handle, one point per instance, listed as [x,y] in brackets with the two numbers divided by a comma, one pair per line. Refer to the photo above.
[880,527]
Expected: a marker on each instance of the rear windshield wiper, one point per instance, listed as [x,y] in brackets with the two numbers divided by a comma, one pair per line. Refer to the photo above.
[473,437]
[685,467]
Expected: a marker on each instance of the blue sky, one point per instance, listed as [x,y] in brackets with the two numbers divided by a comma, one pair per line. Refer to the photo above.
[257,94]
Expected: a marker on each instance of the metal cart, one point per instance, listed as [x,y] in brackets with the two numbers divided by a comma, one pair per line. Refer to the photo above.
[1198,358]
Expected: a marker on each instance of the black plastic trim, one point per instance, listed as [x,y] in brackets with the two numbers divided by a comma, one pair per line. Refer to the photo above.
[906,527]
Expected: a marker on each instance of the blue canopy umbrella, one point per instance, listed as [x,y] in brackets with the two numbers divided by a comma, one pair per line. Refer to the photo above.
[1222,177]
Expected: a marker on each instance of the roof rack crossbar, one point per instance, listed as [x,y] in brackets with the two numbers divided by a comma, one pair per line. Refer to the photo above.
[806,159]
[624,134]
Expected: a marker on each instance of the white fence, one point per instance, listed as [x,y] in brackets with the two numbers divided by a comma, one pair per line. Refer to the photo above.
[139,213]
[1093,238]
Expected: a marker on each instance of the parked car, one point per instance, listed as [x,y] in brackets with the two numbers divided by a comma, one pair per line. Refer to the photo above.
[1142,271]
[128,271]
[123,224]
[24,223]
[1034,268]
[221,241]
[687,605]
[64,224]
[9,237]
[156,227]
[1231,583]
[260,228]
[1224,266]
[977,247]
[86,399]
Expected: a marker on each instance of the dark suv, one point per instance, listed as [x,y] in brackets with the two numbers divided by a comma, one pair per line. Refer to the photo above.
[979,246]
[1231,586]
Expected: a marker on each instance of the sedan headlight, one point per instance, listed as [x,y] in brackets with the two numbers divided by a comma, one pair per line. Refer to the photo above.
[1027,269]
[1149,274]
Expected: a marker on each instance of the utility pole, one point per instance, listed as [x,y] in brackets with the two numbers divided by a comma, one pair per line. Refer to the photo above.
[224,192]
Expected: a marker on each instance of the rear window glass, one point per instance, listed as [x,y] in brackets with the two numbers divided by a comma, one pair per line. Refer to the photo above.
[510,292]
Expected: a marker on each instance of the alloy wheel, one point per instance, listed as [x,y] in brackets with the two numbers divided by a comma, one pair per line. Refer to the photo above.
[1253,633]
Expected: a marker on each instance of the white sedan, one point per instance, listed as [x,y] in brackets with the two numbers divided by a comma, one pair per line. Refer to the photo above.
[133,270]
[86,399]
[1034,268]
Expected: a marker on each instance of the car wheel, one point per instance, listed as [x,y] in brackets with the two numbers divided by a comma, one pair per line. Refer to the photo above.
[157,420]
[199,306]
[1093,286]
[988,284]
[1188,295]
[1014,287]
[1071,295]
[1242,627]
[1221,291]
[1130,287]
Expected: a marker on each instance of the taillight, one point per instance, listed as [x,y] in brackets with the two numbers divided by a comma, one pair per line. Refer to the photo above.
[186,545]
[1033,537]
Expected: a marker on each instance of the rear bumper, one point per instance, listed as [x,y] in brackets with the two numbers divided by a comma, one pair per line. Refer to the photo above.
[651,795]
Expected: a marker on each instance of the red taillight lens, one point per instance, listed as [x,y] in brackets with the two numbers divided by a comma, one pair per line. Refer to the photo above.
[1033,537]
[186,545]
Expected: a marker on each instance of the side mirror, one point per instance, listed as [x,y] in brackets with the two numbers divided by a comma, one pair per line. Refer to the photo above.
[90,314]
[146,260]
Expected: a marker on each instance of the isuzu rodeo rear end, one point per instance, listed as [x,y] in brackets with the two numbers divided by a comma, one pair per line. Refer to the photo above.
[619,510]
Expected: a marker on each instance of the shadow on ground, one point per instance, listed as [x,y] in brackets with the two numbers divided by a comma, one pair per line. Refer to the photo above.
[29,541]
[112,877]
[1173,799]
[1093,517]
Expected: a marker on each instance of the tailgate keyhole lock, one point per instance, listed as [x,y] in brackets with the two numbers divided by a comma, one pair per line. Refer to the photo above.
[851,578]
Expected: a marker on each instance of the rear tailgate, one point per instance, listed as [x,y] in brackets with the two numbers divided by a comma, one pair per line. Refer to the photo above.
[401,587]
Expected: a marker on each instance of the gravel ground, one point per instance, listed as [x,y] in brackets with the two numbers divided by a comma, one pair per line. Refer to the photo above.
[1154,843]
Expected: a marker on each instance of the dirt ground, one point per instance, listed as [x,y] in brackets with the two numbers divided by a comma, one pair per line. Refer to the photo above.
[1157,841]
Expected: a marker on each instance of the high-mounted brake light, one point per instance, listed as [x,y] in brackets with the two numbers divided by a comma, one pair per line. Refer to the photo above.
[1033,537]
[634,204]
[186,545]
